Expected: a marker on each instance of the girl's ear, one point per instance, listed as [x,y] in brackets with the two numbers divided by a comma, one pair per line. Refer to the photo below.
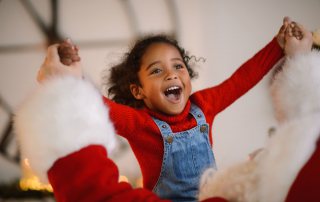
[136,91]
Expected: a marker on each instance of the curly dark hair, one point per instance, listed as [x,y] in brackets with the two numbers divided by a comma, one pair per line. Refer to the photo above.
[126,73]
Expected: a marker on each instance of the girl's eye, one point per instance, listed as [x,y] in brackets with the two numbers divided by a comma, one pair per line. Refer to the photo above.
[155,71]
[178,66]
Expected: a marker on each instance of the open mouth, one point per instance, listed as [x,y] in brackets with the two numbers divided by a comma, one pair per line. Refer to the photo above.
[173,93]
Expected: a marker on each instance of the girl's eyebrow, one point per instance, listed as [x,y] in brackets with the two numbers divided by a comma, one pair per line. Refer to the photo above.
[177,59]
[155,62]
[151,64]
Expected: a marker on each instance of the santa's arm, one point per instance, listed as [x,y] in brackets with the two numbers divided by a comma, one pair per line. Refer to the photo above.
[89,175]
[64,130]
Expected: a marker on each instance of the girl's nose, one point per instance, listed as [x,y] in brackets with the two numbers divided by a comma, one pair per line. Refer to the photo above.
[171,75]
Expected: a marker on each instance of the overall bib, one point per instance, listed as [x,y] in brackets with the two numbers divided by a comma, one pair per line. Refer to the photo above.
[186,155]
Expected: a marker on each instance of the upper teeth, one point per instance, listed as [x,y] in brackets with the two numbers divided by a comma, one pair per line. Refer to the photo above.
[173,88]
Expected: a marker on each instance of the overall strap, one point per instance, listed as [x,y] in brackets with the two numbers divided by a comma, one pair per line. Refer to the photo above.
[197,114]
[163,127]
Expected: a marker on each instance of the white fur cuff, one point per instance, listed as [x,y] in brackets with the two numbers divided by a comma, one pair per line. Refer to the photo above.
[62,116]
[296,90]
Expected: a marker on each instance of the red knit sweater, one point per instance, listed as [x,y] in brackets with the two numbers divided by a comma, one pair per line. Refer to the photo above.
[142,133]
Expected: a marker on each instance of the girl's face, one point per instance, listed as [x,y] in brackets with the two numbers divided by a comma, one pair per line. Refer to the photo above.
[164,78]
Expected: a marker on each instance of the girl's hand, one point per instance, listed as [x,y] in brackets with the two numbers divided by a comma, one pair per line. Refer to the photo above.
[68,52]
[52,66]
[281,34]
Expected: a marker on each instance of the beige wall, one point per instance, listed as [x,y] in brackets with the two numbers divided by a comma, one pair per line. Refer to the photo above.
[225,32]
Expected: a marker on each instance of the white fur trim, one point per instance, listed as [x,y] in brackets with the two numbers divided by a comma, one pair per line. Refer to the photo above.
[296,90]
[290,148]
[270,175]
[235,183]
[62,116]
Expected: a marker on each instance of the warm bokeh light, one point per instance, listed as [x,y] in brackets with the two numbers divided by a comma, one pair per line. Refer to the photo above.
[31,182]
[123,178]
[139,182]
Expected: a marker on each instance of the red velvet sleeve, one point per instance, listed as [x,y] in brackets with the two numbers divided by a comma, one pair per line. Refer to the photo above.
[89,175]
[306,185]
[243,79]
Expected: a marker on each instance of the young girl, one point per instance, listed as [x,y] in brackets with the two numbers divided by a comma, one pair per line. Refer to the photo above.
[168,128]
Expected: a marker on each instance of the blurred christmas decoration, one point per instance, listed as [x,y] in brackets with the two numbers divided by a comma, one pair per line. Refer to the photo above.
[316,39]
[13,192]
[28,187]
[30,181]
[123,178]
[139,182]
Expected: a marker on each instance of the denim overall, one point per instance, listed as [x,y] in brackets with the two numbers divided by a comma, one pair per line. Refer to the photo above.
[186,155]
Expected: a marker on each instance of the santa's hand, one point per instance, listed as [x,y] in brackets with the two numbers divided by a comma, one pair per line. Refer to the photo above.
[53,67]
[297,45]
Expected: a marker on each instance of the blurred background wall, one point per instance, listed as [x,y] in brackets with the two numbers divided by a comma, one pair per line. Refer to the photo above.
[225,32]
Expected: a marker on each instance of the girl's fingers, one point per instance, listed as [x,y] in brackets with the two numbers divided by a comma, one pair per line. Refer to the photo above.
[68,52]
[282,29]
[66,61]
[288,31]
[68,55]
[75,58]
[286,19]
